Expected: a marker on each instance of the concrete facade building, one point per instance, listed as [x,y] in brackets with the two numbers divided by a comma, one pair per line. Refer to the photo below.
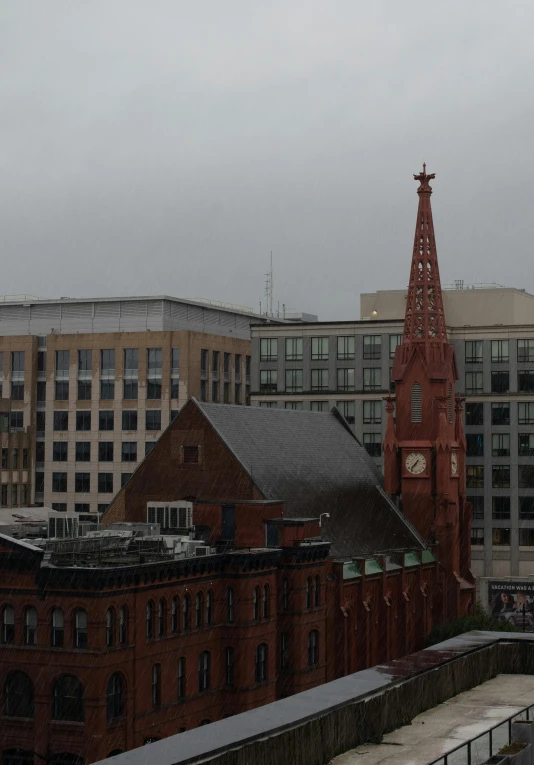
[92,383]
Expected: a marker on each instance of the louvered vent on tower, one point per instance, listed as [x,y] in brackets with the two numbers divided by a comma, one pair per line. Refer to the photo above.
[417,403]
[450,402]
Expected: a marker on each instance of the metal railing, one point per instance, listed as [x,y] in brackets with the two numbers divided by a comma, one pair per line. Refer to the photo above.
[478,750]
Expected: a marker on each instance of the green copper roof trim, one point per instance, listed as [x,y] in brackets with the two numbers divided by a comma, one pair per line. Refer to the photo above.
[351,571]
[427,557]
[372,567]
[411,559]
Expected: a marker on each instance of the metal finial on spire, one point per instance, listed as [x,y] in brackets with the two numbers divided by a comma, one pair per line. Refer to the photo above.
[424,178]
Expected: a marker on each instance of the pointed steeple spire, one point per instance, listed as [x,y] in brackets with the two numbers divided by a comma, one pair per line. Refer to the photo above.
[424,323]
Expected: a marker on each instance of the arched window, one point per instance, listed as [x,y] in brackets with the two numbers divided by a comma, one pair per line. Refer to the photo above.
[161,618]
[417,403]
[30,626]
[123,625]
[308,592]
[57,628]
[175,615]
[185,613]
[18,695]
[261,663]
[150,619]
[156,685]
[449,402]
[198,609]
[8,625]
[230,605]
[266,601]
[256,604]
[68,699]
[317,591]
[181,678]
[229,666]
[80,629]
[204,667]
[313,648]
[115,697]
[110,627]
[285,595]
[209,607]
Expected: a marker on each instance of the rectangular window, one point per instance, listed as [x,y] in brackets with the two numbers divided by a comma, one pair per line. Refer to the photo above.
[500,382]
[203,362]
[526,508]
[16,421]
[293,380]
[319,406]
[41,362]
[83,420]
[319,379]
[39,483]
[373,443]
[237,393]
[149,445]
[129,419]
[500,413]
[125,477]
[475,476]
[15,459]
[175,362]
[59,482]
[500,445]
[394,340]
[372,378]
[84,390]
[248,360]
[346,408]
[525,413]
[226,394]
[237,367]
[526,444]
[61,420]
[525,382]
[525,475]
[268,380]
[500,508]
[59,451]
[105,451]
[525,350]
[5,459]
[499,351]
[85,363]
[17,391]
[175,389]
[17,365]
[319,348]
[501,537]
[345,379]
[107,363]
[474,413]
[268,349]
[153,390]
[129,451]
[372,346]
[82,483]
[500,476]
[24,459]
[62,365]
[83,451]
[153,419]
[82,507]
[346,348]
[105,483]
[215,364]
[215,391]
[130,389]
[131,362]
[203,390]
[473,351]
[296,405]
[62,390]
[106,419]
[107,390]
[293,349]
[41,391]
[477,507]
[526,537]
[477,537]
[372,412]
[41,422]
[474,383]
[475,444]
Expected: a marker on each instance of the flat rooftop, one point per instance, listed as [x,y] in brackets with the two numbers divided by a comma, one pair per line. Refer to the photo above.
[441,729]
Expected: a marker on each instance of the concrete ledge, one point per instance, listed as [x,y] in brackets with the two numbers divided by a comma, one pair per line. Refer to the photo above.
[311,728]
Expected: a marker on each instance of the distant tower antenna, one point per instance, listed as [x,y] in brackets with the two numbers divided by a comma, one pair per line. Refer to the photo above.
[269,289]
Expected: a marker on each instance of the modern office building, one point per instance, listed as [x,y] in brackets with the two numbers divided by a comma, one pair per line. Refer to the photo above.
[348,364]
[89,384]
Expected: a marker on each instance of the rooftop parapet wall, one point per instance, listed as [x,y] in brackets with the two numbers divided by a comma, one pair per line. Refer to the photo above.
[311,728]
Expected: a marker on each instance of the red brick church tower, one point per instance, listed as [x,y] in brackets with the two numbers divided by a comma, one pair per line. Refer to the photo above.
[424,446]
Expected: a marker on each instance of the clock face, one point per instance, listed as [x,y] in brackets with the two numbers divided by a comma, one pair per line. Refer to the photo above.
[454,463]
[416,463]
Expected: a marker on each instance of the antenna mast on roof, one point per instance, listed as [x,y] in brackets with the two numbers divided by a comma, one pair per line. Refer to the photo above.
[269,289]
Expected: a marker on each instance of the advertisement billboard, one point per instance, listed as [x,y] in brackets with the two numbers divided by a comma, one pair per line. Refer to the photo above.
[512,601]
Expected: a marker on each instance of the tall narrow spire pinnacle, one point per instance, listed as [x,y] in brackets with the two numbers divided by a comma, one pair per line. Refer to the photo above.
[424,323]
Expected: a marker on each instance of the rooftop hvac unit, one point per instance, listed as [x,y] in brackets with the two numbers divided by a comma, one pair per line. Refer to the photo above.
[62,528]
[203,550]
[170,515]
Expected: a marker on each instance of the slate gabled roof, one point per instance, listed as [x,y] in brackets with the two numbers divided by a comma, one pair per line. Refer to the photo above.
[314,463]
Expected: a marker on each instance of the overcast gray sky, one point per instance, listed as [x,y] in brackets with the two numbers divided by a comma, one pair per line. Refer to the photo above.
[162,146]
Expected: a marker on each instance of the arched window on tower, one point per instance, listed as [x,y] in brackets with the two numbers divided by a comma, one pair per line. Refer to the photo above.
[450,403]
[417,403]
